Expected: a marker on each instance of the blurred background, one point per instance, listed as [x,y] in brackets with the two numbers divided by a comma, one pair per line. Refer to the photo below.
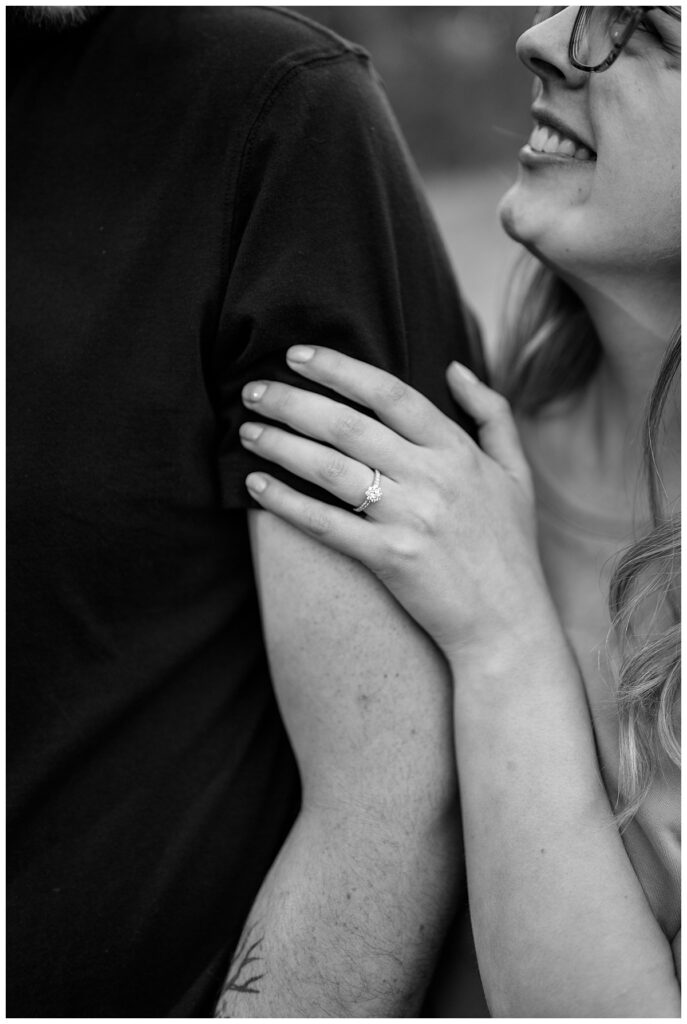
[462,99]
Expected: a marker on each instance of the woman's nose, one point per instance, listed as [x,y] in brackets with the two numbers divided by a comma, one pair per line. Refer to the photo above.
[544,47]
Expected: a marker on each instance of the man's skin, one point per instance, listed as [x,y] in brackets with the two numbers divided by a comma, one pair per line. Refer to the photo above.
[350,918]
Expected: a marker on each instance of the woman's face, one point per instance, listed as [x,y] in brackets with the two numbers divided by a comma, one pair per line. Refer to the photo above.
[599,183]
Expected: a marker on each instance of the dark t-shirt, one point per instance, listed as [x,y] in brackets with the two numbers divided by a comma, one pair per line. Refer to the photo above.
[190,191]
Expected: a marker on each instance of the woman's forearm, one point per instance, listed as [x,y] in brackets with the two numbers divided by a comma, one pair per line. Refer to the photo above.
[562,926]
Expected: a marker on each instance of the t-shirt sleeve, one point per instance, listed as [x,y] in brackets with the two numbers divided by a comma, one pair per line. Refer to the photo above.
[331,242]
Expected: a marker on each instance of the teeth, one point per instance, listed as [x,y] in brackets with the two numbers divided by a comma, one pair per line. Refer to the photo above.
[567,147]
[538,139]
[547,140]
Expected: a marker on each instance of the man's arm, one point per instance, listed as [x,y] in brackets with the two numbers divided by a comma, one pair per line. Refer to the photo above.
[349,919]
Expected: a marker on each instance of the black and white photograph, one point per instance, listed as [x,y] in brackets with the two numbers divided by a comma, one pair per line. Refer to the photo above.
[343,511]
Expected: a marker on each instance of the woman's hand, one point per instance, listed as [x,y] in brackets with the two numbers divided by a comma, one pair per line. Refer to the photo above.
[453,535]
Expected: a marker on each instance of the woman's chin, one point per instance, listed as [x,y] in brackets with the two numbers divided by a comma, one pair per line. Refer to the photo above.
[514,219]
[528,225]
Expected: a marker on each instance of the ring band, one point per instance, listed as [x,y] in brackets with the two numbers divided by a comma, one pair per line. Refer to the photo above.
[372,494]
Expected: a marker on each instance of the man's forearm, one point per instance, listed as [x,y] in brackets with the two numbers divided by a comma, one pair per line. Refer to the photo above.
[349,920]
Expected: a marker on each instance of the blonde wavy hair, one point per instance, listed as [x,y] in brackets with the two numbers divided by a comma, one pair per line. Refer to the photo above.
[550,352]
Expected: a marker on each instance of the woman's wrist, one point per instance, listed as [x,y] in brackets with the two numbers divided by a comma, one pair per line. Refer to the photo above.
[531,636]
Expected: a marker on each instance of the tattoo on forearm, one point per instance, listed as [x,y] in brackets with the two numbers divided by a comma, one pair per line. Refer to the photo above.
[243,976]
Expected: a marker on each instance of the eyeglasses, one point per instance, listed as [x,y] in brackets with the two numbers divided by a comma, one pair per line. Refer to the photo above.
[600,34]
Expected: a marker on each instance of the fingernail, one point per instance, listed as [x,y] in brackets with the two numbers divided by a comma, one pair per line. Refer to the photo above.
[300,354]
[463,372]
[253,392]
[256,483]
[250,431]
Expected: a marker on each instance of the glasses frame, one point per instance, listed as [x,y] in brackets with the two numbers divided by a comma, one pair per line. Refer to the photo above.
[617,48]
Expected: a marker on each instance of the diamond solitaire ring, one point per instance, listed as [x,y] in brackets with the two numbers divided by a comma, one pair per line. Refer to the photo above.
[372,494]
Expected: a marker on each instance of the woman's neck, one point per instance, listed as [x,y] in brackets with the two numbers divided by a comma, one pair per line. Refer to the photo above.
[634,321]
[596,439]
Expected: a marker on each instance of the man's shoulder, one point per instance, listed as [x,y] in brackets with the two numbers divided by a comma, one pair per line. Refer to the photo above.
[275,29]
[238,42]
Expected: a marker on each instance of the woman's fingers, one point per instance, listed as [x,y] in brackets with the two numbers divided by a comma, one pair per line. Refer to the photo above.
[341,476]
[325,419]
[398,405]
[498,434]
[351,535]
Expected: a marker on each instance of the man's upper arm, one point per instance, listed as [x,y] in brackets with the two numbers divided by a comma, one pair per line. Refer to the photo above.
[330,242]
[364,693]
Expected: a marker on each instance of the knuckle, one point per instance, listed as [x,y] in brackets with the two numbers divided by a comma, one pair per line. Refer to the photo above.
[440,483]
[465,462]
[402,550]
[391,391]
[317,522]
[427,516]
[281,396]
[330,364]
[332,468]
[348,425]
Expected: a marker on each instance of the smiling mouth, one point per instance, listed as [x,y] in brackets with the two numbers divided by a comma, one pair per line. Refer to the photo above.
[545,139]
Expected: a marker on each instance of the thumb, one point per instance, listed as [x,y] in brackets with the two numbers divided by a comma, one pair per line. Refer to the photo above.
[498,434]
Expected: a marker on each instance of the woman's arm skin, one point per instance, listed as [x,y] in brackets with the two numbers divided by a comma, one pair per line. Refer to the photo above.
[561,922]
